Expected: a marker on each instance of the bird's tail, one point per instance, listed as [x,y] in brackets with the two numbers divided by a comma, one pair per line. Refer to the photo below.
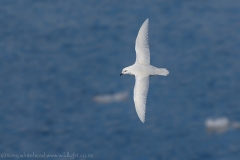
[162,71]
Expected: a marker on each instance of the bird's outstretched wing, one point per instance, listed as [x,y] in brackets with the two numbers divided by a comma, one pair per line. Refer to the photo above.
[140,96]
[141,46]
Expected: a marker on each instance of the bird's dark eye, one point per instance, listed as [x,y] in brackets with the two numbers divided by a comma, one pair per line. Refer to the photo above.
[125,71]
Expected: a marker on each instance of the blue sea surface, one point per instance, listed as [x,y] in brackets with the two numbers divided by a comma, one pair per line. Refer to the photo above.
[55,56]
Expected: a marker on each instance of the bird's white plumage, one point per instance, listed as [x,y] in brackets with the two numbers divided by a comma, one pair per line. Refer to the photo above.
[141,46]
[141,83]
[142,70]
[140,95]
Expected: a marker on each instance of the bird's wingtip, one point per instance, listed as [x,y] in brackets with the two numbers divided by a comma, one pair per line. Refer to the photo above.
[142,119]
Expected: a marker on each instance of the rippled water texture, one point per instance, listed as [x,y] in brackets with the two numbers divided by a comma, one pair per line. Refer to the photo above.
[56,56]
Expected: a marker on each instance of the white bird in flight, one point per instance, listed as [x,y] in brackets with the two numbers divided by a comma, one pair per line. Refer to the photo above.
[142,69]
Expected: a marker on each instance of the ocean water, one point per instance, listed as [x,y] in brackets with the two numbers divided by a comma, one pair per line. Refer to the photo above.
[56,56]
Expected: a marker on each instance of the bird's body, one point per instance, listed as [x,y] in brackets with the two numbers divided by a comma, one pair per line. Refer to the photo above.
[146,70]
[142,69]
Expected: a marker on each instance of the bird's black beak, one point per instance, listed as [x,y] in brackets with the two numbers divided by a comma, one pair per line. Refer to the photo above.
[121,74]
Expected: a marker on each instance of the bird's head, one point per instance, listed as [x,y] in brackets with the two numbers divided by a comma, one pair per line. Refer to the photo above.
[126,70]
